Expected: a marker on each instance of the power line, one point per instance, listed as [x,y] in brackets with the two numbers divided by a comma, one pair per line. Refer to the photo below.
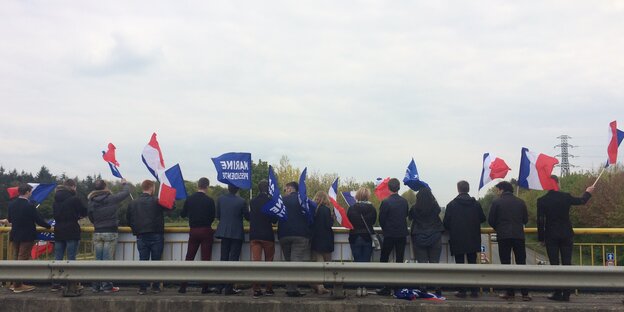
[564,164]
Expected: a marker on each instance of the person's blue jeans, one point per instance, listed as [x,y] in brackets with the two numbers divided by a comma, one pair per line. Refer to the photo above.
[150,246]
[104,245]
[361,250]
[61,245]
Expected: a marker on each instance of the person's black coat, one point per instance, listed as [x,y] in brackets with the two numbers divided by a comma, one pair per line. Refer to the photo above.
[200,209]
[145,215]
[357,214]
[297,222]
[67,209]
[23,216]
[393,216]
[322,233]
[508,215]
[426,221]
[463,218]
[553,214]
[260,223]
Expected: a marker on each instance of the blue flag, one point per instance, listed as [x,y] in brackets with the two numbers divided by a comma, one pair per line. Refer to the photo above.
[412,179]
[174,175]
[234,169]
[309,206]
[275,207]
[41,191]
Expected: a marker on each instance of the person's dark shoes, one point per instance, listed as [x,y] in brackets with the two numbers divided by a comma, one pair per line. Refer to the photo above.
[474,294]
[230,292]
[460,294]
[506,296]
[206,290]
[182,290]
[269,292]
[216,290]
[156,290]
[384,291]
[558,297]
[526,298]
[294,294]
[257,294]
[142,291]
[56,287]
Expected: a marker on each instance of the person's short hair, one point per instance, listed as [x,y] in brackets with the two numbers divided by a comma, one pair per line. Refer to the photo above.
[99,185]
[554,177]
[233,189]
[394,185]
[24,188]
[294,185]
[321,198]
[505,186]
[203,183]
[463,186]
[362,194]
[263,186]
[69,183]
[147,185]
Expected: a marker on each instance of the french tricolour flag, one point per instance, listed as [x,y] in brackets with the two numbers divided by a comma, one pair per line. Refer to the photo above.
[171,187]
[349,197]
[381,189]
[615,138]
[39,193]
[339,212]
[109,157]
[152,157]
[493,168]
[535,171]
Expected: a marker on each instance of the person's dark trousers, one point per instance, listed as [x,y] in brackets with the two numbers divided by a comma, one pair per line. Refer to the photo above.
[150,246]
[470,258]
[393,243]
[230,251]
[563,247]
[361,250]
[199,236]
[505,247]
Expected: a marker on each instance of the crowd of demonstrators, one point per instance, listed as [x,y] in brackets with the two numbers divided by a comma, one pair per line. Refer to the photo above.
[67,210]
[103,210]
[231,210]
[554,229]
[300,240]
[508,216]
[146,219]
[462,220]
[199,208]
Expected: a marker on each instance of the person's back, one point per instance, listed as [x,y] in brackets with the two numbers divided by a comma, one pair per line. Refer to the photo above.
[103,207]
[231,211]
[508,215]
[145,215]
[200,209]
[297,222]
[393,216]
[260,224]
[67,210]
[554,210]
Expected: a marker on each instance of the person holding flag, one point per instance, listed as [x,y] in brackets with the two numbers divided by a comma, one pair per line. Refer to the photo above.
[103,208]
[294,233]
[261,236]
[554,228]
[23,217]
[322,243]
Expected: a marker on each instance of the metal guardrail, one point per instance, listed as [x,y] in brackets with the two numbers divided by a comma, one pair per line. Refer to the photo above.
[403,274]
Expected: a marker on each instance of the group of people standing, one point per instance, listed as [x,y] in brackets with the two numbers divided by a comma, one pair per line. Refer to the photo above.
[300,238]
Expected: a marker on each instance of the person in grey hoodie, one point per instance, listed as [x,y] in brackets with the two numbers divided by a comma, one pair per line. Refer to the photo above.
[103,213]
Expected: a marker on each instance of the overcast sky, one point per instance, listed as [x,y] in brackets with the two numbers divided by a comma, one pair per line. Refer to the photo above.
[356,88]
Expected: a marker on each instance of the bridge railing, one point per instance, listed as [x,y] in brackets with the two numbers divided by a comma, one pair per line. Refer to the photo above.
[591,254]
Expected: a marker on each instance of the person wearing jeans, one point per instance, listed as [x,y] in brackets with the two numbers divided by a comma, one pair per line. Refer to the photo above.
[103,211]
[200,210]
[146,218]
[362,216]
[67,210]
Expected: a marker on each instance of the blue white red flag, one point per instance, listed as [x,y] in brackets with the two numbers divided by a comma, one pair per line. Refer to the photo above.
[349,197]
[535,171]
[47,236]
[493,168]
[234,169]
[339,212]
[109,157]
[615,138]
[171,187]
[381,188]
[39,192]
[309,206]
[412,179]
[275,207]
[152,157]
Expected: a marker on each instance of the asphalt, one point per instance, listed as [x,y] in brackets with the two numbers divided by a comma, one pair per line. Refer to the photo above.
[42,300]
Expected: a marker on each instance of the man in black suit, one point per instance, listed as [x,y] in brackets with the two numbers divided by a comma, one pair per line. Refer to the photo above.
[554,228]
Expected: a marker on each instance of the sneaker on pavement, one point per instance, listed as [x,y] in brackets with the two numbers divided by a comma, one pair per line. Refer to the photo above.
[142,291]
[114,289]
[257,294]
[56,288]
[269,292]
[23,288]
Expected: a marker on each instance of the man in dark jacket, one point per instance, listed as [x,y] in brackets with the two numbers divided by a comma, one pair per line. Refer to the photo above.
[146,218]
[393,221]
[200,210]
[508,215]
[67,209]
[463,218]
[103,213]
[261,236]
[294,233]
[23,217]
[554,228]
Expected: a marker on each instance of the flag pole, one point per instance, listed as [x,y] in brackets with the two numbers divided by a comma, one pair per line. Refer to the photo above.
[601,171]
